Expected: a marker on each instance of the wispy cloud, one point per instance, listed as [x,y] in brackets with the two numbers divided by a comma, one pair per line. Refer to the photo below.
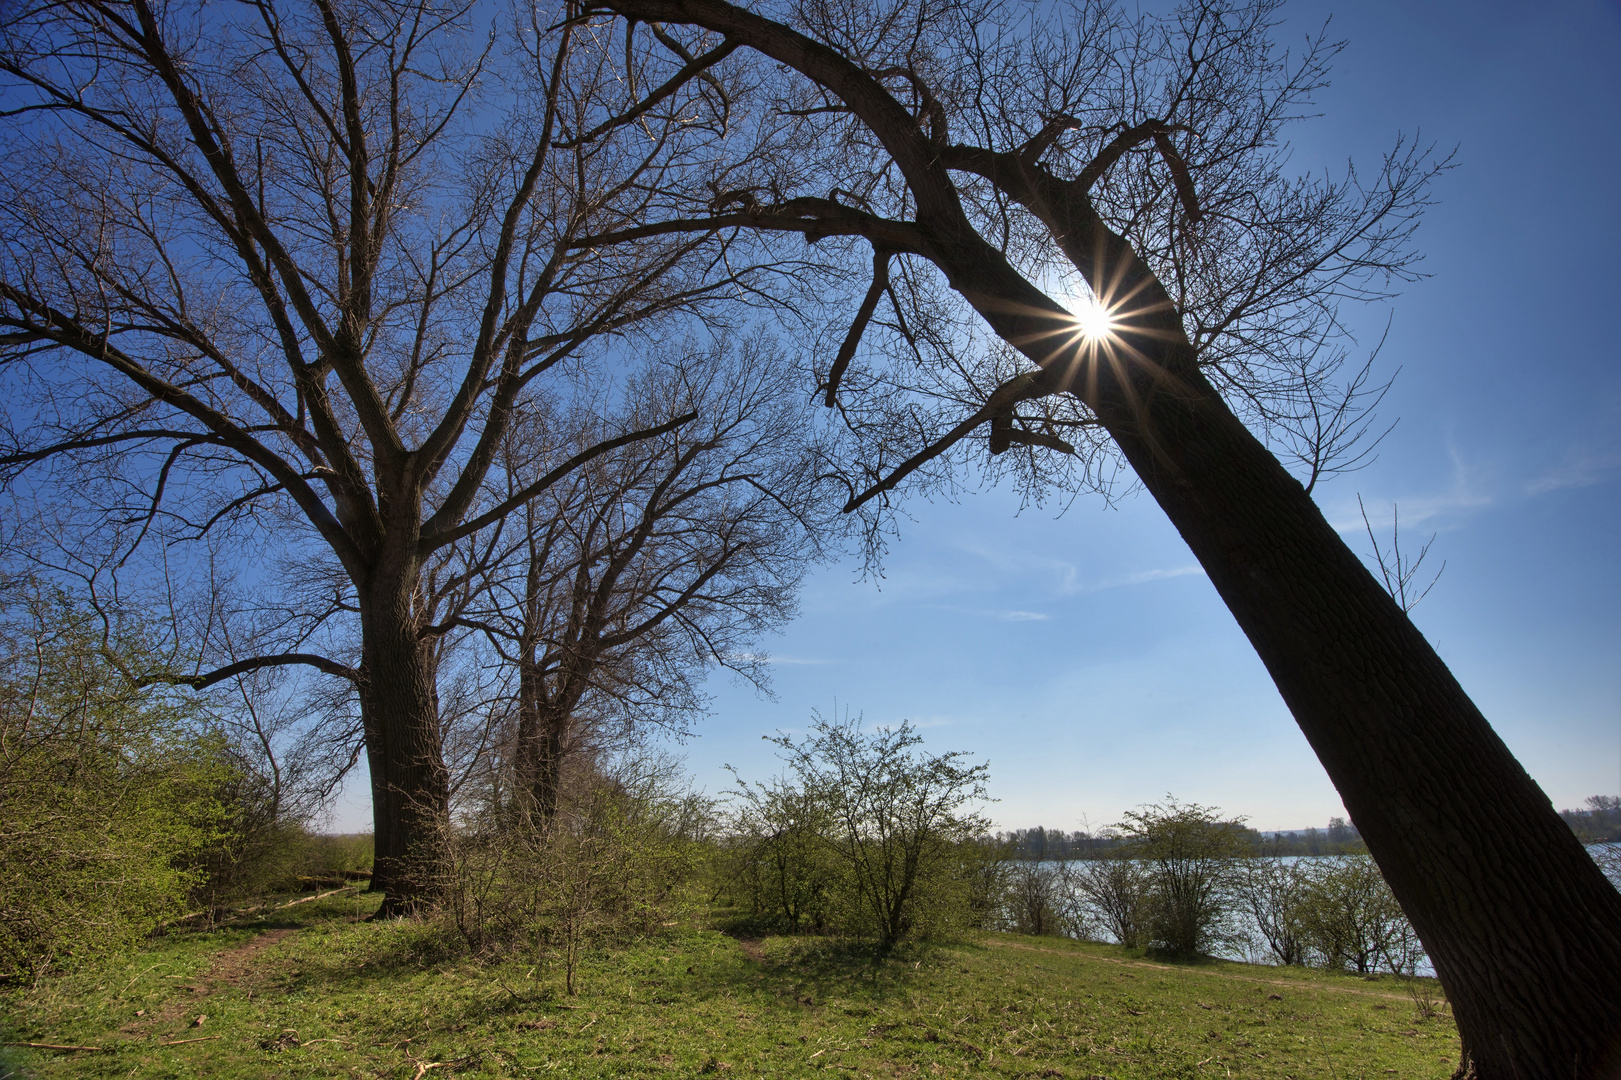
[1065,579]
[1145,576]
[999,614]
[1582,467]
[1140,577]
[1469,490]
[1063,576]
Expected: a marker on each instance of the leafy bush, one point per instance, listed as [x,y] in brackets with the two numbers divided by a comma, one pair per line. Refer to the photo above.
[109,793]
[1334,912]
[779,855]
[869,836]
[1047,899]
[1119,890]
[1275,890]
[1350,918]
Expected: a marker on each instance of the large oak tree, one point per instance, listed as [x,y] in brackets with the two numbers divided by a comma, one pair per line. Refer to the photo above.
[293,268]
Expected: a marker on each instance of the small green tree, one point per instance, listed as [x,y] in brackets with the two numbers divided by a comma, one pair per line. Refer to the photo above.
[1119,890]
[1275,890]
[616,860]
[899,820]
[1189,850]
[1036,899]
[986,869]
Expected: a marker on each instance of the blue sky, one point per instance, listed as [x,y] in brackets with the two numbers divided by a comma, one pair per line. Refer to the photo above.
[1090,661]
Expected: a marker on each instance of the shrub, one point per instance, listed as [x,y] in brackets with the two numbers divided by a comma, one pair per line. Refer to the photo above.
[1047,899]
[109,793]
[985,868]
[780,859]
[868,832]
[1119,890]
[615,860]
[1275,891]
[1350,919]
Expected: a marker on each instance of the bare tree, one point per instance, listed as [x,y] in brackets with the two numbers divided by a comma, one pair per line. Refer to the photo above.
[653,564]
[972,152]
[289,267]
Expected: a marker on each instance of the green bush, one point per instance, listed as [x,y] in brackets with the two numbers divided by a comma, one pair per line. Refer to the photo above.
[869,836]
[778,858]
[109,792]
[617,859]
[1350,919]
[1275,891]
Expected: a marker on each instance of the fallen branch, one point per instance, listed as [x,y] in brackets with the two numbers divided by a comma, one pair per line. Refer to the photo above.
[61,1046]
[307,899]
[183,1042]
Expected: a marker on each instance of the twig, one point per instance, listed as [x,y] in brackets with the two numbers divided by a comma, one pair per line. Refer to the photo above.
[131,983]
[60,1046]
[183,1042]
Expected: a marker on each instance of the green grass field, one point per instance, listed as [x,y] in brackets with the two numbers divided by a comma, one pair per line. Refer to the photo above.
[313,991]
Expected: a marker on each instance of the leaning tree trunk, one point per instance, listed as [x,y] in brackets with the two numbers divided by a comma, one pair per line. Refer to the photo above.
[410,786]
[1522,927]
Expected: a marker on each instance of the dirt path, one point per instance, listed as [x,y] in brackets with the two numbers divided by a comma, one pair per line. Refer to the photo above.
[230,969]
[232,965]
[753,948]
[1293,985]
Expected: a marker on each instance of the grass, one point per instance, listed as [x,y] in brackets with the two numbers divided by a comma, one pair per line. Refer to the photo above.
[313,991]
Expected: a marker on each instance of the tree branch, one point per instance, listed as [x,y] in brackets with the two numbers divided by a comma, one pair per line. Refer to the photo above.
[242,667]
[435,538]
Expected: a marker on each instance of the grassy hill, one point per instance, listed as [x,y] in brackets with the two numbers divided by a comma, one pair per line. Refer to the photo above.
[310,990]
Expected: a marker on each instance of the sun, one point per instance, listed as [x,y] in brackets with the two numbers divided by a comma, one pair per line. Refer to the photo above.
[1094,320]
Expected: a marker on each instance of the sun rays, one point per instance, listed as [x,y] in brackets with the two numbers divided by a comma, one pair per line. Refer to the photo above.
[1094,321]
[1096,338]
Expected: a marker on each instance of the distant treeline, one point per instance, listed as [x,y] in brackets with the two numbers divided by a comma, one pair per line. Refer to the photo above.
[1041,844]
[1600,823]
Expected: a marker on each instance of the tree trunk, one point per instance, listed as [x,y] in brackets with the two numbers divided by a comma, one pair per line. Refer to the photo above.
[542,742]
[410,785]
[1522,927]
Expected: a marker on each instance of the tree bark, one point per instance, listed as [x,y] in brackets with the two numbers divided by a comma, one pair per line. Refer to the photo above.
[538,758]
[544,721]
[410,785]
